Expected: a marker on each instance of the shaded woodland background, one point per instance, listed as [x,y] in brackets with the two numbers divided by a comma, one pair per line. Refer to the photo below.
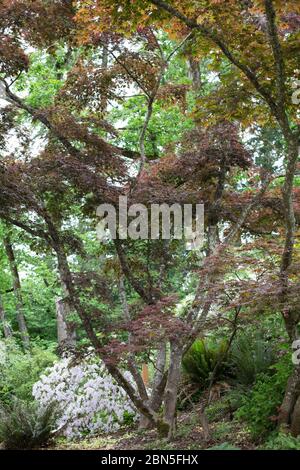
[164,102]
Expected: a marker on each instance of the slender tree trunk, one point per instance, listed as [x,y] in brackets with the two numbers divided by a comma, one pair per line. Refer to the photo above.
[6,327]
[195,73]
[156,395]
[17,291]
[170,397]
[157,386]
[66,334]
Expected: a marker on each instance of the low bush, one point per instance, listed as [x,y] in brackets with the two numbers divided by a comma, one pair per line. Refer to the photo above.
[260,406]
[25,425]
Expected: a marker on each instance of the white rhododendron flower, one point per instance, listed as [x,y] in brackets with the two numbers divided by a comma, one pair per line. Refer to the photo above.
[88,398]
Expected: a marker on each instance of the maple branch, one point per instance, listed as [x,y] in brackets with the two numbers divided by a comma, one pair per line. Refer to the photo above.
[278,59]
[214,37]
[245,214]
[292,157]
[203,285]
[287,191]
[179,46]
[152,97]
[124,66]
[221,358]
[127,272]
[39,233]
[36,114]
[40,117]
[143,132]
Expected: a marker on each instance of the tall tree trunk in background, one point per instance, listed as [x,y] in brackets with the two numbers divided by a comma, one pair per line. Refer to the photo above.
[66,334]
[195,73]
[6,327]
[17,291]
[104,65]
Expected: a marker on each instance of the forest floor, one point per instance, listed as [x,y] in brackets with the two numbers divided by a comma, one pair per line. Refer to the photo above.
[223,434]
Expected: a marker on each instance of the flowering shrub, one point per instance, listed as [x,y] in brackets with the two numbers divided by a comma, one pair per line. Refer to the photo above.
[88,398]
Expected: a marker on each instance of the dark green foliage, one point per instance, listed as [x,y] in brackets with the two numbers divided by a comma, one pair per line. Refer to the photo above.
[250,355]
[260,406]
[24,426]
[129,418]
[19,371]
[282,441]
[201,359]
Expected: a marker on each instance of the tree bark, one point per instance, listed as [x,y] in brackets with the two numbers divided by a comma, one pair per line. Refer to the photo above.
[157,386]
[17,291]
[6,327]
[195,73]
[295,423]
[170,397]
[66,334]
[290,399]
[156,395]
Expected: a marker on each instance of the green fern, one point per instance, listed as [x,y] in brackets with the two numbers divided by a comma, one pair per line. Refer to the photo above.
[25,426]
[201,359]
[250,356]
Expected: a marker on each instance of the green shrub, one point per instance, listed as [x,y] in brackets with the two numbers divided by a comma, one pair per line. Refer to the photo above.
[282,441]
[262,402]
[201,359]
[25,426]
[250,355]
[128,418]
[19,371]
